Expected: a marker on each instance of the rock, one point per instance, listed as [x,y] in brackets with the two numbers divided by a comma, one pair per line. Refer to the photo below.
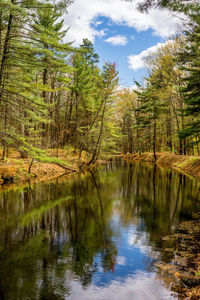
[190,281]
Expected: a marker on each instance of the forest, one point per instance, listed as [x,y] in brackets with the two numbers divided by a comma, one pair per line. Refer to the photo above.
[55,96]
[126,223]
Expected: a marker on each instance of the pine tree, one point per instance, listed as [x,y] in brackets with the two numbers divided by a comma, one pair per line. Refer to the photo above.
[55,70]
[19,100]
[152,106]
[22,57]
[108,89]
[84,96]
[189,56]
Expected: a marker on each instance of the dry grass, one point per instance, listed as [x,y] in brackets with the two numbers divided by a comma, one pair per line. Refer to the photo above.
[187,164]
[15,169]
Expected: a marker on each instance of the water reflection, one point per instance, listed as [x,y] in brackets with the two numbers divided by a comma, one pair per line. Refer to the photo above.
[92,236]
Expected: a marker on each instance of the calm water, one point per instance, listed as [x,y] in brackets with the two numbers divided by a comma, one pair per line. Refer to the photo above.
[95,236]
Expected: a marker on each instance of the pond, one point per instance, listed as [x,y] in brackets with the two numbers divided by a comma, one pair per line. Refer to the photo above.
[93,236]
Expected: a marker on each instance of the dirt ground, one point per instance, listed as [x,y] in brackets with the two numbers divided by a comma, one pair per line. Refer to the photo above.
[15,169]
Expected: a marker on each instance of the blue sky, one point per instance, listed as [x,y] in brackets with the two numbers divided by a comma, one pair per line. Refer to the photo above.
[120,33]
[136,43]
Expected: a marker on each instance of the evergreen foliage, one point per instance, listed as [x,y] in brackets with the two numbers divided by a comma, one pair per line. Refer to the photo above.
[189,57]
[53,95]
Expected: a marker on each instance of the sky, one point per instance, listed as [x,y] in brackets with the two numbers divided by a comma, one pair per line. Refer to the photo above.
[120,33]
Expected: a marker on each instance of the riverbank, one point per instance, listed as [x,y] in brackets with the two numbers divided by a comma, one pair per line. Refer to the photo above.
[15,169]
[183,270]
[187,164]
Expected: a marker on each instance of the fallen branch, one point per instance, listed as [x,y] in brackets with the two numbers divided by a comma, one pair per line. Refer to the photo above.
[64,167]
[53,162]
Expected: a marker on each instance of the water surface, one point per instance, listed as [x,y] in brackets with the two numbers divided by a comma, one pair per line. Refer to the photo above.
[93,236]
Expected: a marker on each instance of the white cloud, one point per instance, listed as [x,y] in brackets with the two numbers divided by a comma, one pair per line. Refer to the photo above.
[138,61]
[101,33]
[82,14]
[118,40]
[97,23]
[122,87]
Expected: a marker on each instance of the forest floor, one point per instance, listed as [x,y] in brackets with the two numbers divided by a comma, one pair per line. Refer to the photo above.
[15,169]
[184,163]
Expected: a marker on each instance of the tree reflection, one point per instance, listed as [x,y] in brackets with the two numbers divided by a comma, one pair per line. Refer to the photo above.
[51,234]
[109,249]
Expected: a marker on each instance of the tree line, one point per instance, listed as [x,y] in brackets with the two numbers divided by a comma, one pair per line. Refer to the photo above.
[163,113]
[53,95]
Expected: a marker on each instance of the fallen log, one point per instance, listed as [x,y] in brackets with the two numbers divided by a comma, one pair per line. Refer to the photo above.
[64,167]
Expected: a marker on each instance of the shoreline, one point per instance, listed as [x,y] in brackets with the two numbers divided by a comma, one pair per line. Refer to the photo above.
[41,172]
[16,172]
[189,165]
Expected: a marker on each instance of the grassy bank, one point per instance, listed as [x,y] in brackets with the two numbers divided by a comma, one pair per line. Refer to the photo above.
[184,163]
[15,169]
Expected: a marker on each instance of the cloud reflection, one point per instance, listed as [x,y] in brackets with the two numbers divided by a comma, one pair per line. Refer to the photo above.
[141,286]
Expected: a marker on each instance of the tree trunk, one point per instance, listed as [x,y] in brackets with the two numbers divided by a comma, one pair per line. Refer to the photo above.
[154,140]
[154,131]
[100,134]
[5,126]
[30,166]
[5,52]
